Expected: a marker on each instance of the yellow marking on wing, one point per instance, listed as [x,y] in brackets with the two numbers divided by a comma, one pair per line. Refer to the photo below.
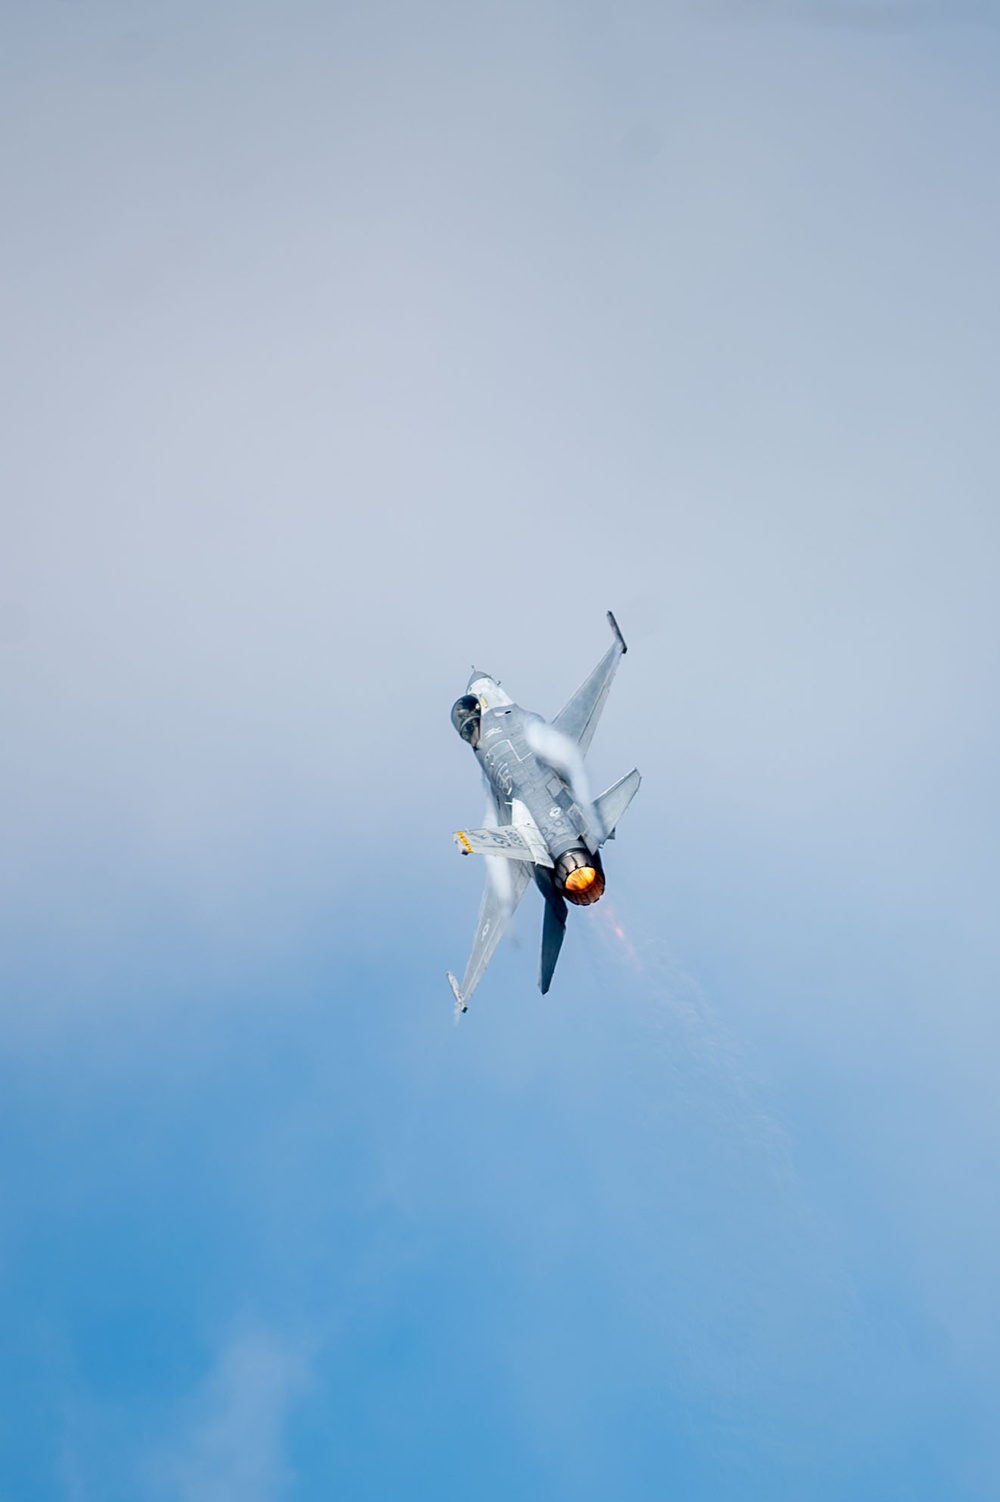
[468,847]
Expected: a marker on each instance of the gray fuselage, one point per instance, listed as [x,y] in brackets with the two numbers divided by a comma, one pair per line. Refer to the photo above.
[517,775]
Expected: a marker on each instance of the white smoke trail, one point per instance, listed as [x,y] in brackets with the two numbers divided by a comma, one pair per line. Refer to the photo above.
[498,872]
[562,754]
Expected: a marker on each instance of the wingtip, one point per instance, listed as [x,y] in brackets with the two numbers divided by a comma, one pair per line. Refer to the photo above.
[461,1005]
[617,630]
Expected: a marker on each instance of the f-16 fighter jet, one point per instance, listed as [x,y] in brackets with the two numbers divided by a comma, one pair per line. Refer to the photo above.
[540,819]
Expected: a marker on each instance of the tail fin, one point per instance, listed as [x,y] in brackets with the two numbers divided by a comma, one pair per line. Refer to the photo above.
[553,930]
[610,806]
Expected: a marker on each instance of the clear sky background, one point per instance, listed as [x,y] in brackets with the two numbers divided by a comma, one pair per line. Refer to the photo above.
[344,346]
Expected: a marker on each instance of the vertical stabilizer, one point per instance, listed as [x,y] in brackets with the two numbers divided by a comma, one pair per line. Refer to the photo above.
[553,930]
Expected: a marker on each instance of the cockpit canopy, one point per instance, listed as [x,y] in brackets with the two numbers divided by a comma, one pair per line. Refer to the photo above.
[466,716]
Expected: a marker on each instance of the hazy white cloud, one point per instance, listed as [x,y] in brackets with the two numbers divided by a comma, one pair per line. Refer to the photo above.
[343,351]
[232,1441]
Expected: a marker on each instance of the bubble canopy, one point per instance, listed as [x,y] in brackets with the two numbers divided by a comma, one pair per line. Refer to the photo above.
[466,716]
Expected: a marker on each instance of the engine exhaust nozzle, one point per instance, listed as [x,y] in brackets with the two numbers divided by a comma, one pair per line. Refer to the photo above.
[579,876]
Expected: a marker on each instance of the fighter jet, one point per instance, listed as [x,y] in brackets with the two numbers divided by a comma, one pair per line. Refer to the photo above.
[540,820]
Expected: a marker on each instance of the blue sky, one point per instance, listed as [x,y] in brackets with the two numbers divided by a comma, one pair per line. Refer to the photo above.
[345,348]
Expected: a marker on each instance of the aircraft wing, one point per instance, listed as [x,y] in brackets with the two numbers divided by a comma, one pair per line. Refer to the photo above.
[499,901]
[580,716]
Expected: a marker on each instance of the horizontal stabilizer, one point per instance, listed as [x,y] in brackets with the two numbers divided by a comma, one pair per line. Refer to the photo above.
[511,843]
[610,806]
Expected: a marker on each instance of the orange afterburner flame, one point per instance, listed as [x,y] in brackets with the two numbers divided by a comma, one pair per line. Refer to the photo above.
[583,882]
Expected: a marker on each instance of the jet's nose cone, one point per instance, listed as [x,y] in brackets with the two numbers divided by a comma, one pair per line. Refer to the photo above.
[487,690]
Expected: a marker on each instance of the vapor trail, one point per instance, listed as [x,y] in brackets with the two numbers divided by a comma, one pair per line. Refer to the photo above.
[562,754]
